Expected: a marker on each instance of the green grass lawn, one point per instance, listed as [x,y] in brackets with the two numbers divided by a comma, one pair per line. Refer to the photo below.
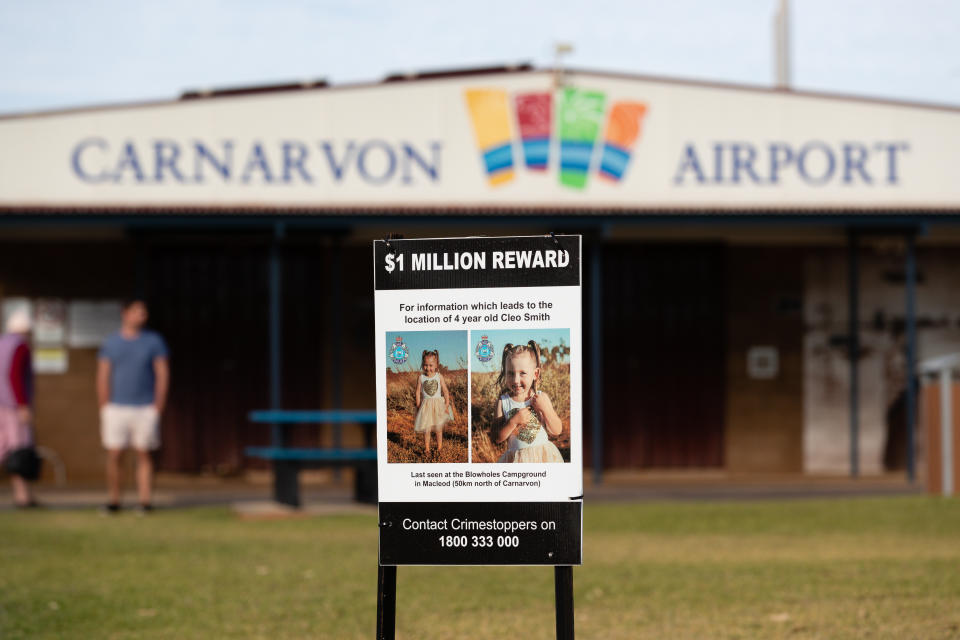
[864,568]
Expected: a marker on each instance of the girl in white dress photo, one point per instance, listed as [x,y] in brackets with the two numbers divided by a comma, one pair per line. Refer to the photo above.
[433,400]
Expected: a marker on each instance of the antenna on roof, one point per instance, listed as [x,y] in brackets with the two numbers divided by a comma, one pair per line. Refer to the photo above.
[781,45]
[560,49]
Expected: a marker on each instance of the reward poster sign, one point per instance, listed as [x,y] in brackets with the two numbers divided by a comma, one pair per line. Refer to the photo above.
[479,432]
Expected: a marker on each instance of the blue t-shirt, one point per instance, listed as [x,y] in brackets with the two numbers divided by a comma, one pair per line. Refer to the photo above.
[131,366]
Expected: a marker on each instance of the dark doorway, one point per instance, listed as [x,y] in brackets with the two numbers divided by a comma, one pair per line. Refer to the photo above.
[664,352]
[208,297]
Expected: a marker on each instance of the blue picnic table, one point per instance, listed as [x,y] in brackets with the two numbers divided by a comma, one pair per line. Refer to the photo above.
[287,461]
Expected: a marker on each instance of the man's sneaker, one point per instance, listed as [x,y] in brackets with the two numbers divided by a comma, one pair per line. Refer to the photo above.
[144,509]
[110,509]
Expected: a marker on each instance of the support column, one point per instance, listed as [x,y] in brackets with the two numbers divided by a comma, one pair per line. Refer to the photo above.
[946,432]
[563,601]
[595,374]
[911,352]
[275,320]
[386,602]
[336,345]
[141,266]
[336,326]
[853,346]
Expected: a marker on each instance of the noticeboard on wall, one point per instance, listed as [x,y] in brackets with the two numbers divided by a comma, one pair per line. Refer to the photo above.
[90,322]
[479,402]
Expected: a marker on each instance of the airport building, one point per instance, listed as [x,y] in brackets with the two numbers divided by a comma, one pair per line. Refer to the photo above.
[763,268]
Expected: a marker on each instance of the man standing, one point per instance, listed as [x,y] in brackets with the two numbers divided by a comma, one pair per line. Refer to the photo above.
[132,380]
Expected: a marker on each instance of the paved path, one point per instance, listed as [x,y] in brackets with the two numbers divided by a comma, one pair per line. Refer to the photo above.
[254,499]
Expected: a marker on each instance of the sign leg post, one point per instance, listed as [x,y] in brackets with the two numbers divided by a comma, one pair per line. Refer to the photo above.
[387,602]
[563,589]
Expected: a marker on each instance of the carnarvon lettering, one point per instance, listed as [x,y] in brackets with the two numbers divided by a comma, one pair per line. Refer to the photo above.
[194,161]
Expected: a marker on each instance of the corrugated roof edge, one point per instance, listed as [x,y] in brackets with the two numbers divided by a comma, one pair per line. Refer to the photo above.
[191,95]
[428,76]
[201,94]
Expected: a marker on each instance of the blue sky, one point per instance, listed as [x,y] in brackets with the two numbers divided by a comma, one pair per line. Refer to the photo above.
[450,344]
[544,337]
[62,53]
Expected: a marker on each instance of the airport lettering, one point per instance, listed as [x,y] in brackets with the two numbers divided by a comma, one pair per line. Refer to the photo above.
[815,163]
[375,162]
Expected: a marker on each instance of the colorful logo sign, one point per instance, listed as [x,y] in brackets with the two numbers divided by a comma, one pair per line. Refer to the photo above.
[398,351]
[485,350]
[581,117]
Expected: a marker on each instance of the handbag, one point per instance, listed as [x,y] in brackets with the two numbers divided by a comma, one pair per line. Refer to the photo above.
[24,463]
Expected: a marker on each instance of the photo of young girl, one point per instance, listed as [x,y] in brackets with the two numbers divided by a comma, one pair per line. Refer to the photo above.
[433,400]
[427,396]
[520,386]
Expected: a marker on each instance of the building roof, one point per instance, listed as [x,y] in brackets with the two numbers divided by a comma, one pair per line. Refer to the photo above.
[491,140]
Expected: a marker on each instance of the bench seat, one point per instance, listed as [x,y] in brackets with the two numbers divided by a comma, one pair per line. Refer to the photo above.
[318,455]
[289,461]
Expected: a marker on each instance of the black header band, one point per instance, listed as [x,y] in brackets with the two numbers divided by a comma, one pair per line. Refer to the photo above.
[471,263]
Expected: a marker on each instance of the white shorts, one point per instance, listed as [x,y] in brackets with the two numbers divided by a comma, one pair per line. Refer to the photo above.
[123,426]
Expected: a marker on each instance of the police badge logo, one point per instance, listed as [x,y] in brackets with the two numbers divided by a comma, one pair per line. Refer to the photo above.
[398,351]
[485,350]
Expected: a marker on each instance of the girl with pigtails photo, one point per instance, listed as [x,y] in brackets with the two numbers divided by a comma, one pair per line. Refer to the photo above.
[520,396]
[526,413]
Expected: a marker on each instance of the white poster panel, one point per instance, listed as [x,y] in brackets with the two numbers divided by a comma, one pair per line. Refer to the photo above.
[50,360]
[50,325]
